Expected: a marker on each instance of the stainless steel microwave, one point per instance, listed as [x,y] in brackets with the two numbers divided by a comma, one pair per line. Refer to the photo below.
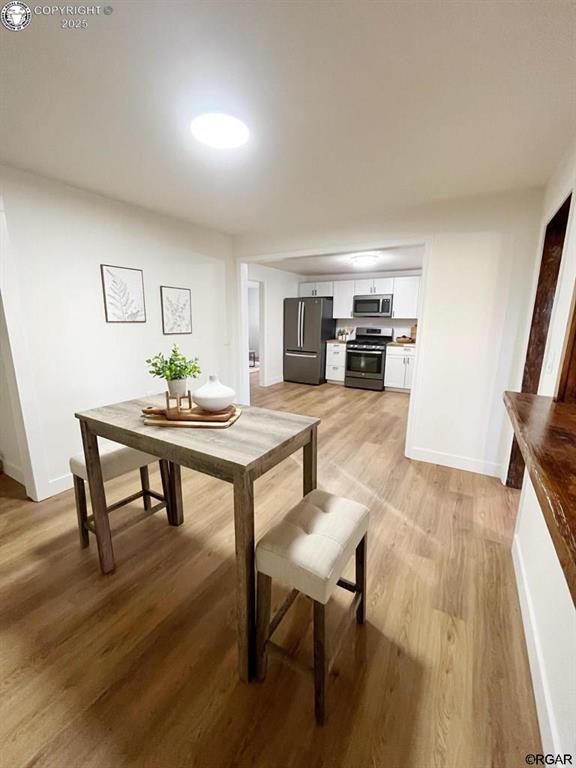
[379,305]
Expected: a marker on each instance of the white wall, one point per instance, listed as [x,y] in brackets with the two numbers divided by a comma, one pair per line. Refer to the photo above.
[278,285]
[10,424]
[66,357]
[477,279]
[547,608]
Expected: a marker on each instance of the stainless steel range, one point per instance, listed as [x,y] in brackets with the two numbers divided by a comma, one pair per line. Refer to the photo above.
[366,358]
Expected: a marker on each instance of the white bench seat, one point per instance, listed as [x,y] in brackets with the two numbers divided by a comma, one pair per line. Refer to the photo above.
[115,460]
[309,548]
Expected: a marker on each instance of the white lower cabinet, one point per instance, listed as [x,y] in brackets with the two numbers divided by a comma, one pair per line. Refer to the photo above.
[409,371]
[399,367]
[335,362]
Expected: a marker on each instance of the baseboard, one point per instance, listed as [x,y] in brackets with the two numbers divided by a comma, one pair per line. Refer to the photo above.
[273,380]
[13,471]
[546,720]
[491,468]
[54,487]
[60,484]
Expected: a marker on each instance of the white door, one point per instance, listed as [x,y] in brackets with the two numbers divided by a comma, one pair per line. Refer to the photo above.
[363,287]
[394,372]
[384,285]
[307,289]
[324,289]
[343,298]
[409,371]
[405,301]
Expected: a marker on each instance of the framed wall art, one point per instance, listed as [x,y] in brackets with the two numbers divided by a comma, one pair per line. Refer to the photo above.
[176,310]
[123,294]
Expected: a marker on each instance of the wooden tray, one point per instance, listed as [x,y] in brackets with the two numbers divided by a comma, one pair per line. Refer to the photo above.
[162,421]
[187,414]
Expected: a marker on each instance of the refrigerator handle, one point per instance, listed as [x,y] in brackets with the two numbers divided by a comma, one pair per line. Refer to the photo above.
[302,325]
[299,324]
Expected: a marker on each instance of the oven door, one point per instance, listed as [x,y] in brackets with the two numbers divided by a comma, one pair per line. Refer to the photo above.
[367,306]
[365,364]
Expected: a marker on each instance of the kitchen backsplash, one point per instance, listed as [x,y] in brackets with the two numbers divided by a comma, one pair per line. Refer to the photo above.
[401,327]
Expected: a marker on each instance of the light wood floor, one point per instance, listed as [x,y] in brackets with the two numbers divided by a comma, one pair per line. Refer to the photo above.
[139,668]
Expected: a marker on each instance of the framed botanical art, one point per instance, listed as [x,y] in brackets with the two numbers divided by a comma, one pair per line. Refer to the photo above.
[176,310]
[123,294]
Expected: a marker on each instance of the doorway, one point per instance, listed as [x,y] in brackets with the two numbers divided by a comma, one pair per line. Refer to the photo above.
[543,303]
[255,340]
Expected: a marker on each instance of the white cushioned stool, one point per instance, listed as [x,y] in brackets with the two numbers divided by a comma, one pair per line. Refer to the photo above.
[117,460]
[308,550]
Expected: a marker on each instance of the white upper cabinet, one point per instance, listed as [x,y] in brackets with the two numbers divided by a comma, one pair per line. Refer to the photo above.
[307,289]
[343,299]
[405,292]
[384,285]
[363,287]
[378,285]
[325,288]
[405,301]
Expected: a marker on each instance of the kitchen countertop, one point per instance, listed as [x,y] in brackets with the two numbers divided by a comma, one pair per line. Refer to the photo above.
[546,434]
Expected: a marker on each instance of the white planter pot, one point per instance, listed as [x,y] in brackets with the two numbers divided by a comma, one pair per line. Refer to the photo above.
[177,387]
[214,396]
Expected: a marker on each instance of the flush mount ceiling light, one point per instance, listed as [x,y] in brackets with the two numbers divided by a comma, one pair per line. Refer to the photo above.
[365,258]
[219,130]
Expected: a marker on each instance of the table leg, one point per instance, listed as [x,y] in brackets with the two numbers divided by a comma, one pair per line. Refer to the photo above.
[245,578]
[176,508]
[165,477]
[310,462]
[98,498]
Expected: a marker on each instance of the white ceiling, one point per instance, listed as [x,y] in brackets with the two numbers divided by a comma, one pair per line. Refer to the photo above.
[356,108]
[405,257]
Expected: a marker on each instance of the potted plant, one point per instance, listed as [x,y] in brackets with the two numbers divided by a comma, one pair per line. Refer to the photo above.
[175,369]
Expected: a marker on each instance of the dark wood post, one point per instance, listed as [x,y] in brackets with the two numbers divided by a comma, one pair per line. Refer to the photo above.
[310,463]
[361,573]
[145,483]
[98,498]
[320,662]
[81,511]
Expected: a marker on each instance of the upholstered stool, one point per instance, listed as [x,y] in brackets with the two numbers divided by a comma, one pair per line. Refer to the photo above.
[308,551]
[117,460]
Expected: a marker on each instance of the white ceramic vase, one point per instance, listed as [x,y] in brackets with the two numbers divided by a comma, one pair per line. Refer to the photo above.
[177,387]
[214,396]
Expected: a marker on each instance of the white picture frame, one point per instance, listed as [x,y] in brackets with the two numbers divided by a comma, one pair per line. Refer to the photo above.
[176,306]
[123,289]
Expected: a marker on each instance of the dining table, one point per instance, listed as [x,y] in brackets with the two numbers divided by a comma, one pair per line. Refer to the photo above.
[258,441]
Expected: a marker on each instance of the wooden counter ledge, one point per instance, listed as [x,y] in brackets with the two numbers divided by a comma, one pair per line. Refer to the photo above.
[546,434]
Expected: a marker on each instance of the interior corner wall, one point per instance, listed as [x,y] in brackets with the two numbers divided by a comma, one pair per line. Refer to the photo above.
[278,285]
[12,438]
[548,611]
[476,287]
[67,358]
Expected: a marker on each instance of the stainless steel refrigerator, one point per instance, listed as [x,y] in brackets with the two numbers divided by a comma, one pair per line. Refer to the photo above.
[308,325]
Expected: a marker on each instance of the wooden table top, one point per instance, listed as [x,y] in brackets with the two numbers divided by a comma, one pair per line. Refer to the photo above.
[255,436]
[546,434]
